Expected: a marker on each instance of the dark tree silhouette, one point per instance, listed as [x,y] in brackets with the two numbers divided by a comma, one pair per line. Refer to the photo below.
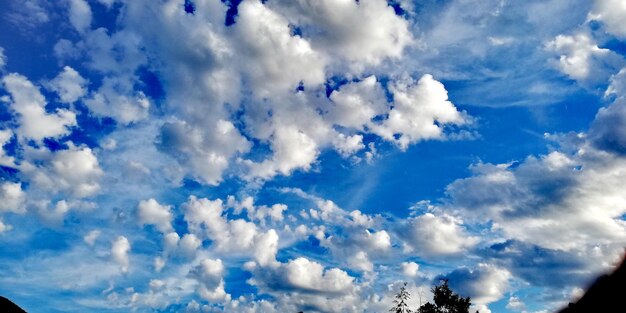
[400,305]
[446,301]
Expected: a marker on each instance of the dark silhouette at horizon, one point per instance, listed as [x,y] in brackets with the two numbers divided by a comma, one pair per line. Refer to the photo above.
[7,306]
[606,294]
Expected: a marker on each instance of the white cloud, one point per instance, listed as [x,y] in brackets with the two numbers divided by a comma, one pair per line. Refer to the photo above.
[292,149]
[410,269]
[378,240]
[357,246]
[205,150]
[368,31]
[117,57]
[210,274]
[355,104]
[28,14]
[617,84]
[190,243]
[3,59]
[360,261]
[484,284]
[5,137]
[119,251]
[204,218]
[151,212]
[279,61]
[421,110]
[348,145]
[431,236]
[116,100]
[515,304]
[107,3]
[256,63]
[159,263]
[119,53]
[304,274]
[558,201]
[30,106]
[302,283]
[4,227]
[53,212]
[229,94]
[207,213]
[581,59]
[80,15]
[274,213]
[613,14]
[170,242]
[92,236]
[75,170]
[266,247]
[69,85]
[12,198]
[200,134]
[72,270]
[66,50]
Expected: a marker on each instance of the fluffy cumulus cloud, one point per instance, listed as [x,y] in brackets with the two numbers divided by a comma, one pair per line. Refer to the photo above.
[13,198]
[558,211]
[119,252]
[6,136]
[111,100]
[69,85]
[617,87]
[91,237]
[367,31]
[420,110]
[410,269]
[359,248]
[206,219]
[356,104]
[209,273]
[581,59]
[304,274]
[612,14]
[30,106]
[304,283]
[483,284]
[297,133]
[206,152]
[262,156]
[281,60]
[266,57]
[75,171]
[151,212]
[80,15]
[436,235]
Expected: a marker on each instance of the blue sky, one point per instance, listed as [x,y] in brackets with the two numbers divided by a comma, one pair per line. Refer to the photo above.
[284,156]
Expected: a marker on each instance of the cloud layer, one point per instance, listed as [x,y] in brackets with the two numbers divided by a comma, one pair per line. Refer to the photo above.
[226,156]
